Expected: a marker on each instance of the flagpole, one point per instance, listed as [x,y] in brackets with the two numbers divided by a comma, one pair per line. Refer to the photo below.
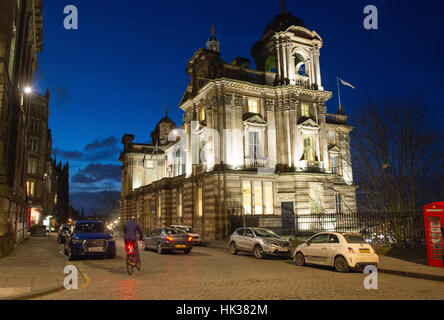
[339,93]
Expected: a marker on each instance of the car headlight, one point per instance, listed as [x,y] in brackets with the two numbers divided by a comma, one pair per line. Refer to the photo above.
[267,242]
[76,241]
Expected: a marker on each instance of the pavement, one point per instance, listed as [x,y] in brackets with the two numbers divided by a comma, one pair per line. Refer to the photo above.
[34,267]
[413,268]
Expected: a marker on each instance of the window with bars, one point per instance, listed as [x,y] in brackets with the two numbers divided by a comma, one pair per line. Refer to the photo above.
[338,200]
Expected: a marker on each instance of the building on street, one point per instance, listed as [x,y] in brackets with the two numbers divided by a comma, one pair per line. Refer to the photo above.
[255,145]
[21,38]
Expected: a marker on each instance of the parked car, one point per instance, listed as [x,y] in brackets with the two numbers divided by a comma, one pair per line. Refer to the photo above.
[261,242]
[88,239]
[168,239]
[63,233]
[341,251]
[190,231]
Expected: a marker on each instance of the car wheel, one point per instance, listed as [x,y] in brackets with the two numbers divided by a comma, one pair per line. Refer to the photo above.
[70,256]
[299,259]
[341,265]
[159,248]
[187,251]
[233,249]
[258,252]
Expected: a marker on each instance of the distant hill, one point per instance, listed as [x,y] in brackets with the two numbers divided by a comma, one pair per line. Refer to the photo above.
[99,202]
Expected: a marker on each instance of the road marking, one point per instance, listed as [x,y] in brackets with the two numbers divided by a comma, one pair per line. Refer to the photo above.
[85,276]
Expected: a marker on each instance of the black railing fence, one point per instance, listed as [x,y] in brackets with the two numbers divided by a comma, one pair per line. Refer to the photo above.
[391,229]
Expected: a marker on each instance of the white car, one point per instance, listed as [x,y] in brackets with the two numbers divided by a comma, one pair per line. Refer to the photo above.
[190,231]
[339,250]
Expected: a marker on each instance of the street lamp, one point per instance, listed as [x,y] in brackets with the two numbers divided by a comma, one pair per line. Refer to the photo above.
[27,90]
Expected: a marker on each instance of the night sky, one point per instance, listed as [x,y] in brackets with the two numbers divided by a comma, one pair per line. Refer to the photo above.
[126,62]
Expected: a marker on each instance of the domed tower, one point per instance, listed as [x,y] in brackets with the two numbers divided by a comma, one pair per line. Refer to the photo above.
[213,44]
[288,48]
[160,134]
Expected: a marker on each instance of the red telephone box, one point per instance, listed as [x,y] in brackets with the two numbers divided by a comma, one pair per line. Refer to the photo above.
[434,230]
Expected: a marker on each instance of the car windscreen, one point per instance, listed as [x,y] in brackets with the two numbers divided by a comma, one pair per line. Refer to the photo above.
[354,238]
[265,233]
[89,227]
[174,231]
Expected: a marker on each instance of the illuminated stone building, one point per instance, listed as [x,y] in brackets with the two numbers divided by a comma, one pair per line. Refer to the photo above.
[255,143]
[21,37]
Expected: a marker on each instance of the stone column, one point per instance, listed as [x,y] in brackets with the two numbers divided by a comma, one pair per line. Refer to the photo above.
[316,54]
[323,136]
[278,61]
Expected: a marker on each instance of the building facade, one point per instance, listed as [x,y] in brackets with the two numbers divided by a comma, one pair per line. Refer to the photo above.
[40,175]
[21,24]
[254,143]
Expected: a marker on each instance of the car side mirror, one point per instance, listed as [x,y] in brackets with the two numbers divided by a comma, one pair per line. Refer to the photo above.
[308,243]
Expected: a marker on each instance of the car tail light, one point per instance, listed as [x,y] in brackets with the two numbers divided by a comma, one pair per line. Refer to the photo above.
[350,250]
[190,238]
[169,239]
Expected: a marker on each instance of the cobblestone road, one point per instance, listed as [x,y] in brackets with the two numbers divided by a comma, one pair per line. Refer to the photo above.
[215,274]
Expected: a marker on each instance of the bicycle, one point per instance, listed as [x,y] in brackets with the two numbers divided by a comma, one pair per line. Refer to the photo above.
[132,256]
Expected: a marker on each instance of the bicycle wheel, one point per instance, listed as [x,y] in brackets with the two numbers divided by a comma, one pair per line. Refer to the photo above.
[129,267]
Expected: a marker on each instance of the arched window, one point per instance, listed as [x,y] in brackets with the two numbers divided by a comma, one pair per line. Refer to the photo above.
[299,63]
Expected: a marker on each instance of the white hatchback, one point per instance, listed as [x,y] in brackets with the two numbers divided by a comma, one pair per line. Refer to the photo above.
[339,250]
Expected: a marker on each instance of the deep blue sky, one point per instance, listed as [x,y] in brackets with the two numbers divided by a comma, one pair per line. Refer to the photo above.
[127,60]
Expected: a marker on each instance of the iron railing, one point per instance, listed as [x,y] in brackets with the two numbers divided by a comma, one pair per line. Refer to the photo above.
[391,229]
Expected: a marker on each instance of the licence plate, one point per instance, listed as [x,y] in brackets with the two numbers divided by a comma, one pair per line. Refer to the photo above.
[364,250]
[283,249]
[180,246]
[95,249]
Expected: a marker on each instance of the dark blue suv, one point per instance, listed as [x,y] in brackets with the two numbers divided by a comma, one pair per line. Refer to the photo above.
[89,239]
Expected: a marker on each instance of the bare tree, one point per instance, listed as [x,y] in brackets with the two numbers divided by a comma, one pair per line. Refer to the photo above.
[398,156]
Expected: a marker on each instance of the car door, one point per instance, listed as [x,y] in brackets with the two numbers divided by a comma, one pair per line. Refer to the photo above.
[333,247]
[249,239]
[236,237]
[152,239]
[316,251]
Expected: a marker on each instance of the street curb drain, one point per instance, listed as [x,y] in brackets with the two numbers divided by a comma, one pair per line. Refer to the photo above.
[405,274]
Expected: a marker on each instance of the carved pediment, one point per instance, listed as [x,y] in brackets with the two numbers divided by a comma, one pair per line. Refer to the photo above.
[334,148]
[309,123]
[254,119]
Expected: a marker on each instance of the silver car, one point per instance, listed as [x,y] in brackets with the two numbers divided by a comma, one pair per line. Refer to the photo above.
[261,242]
[168,239]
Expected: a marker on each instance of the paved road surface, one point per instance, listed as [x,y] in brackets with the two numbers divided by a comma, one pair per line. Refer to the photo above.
[208,273]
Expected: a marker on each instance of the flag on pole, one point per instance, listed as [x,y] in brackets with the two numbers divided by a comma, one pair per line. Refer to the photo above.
[346,83]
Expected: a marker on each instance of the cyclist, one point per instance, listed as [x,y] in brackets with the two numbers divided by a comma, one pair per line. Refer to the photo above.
[130,237]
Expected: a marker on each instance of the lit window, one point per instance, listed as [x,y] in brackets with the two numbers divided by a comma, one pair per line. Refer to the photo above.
[179,204]
[305,109]
[309,153]
[246,197]
[202,114]
[30,188]
[315,198]
[253,144]
[334,164]
[199,202]
[268,197]
[159,205]
[258,197]
[253,105]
